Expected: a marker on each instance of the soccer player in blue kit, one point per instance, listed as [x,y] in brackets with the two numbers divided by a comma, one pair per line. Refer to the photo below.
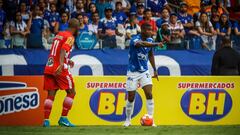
[141,50]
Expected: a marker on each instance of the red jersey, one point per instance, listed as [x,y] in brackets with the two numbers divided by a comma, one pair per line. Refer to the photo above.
[151,22]
[63,40]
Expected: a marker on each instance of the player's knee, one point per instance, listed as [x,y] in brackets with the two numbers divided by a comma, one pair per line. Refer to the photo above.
[149,95]
[71,93]
[131,97]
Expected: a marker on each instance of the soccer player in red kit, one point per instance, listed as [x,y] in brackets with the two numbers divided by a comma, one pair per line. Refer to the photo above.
[57,75]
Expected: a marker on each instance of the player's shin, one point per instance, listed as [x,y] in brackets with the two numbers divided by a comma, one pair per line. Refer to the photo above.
[129,110]
[67,104]
[150,106]
[48,106]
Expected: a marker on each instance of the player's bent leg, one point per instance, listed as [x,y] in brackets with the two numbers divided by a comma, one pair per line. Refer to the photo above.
[150,102]
[129,107]
[67,105]
[48,107]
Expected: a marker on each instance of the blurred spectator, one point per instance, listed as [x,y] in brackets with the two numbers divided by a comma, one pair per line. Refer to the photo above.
[236,28]
[132,28]
[70,5]
[93,26]
[193,6]
[101,5]
[36,25]
[226,61]
[24,12]
[2,22]
[42,5]
[207,32]
[47,36]
[53,17]
[140,11]
[119,14]
[82,27]
[18,31]
[164,17]
[125,5]
[185,18]
[79,9]
[214,18]
[157,5]
[177,33]
[236,35]
[224,28]
[7,34]
[92,9]
[107,30]
[62,25]
[62,6]
[203,9]
[134,6]
[148,19]
[10,7]
[163,35]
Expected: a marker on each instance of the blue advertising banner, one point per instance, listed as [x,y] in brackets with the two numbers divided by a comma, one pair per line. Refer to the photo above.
[105,62]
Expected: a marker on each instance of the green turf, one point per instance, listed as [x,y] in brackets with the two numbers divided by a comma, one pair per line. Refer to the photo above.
[118,130]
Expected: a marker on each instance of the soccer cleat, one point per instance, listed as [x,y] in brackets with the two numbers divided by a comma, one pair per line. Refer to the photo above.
[127,123]
[46,123]
[154,125]
[63,121]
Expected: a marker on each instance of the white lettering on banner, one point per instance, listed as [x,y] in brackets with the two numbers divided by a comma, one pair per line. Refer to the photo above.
[86,60]
[8,61]
[168,62]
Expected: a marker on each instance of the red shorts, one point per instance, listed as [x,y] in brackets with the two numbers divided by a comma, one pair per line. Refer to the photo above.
[58,82]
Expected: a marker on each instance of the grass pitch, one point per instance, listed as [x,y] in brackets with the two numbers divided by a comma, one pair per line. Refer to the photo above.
[118,130]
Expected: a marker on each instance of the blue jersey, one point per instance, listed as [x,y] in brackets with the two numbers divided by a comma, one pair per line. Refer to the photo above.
[224,28]
[138,56]
[37,25]
[106,24]
[185,19]
[236,25]
[52,19]
[156,6]
[120,16]
[63,26]
[2,21]
[84,29]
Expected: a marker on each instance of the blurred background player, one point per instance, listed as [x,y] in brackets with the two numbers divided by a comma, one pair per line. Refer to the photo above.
[57,75]
[141,50]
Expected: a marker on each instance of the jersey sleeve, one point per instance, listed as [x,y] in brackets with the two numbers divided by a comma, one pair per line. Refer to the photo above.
[67,45]
[134,41]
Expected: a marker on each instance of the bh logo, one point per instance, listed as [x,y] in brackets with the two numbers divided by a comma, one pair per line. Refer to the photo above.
[109,104]
[206,104]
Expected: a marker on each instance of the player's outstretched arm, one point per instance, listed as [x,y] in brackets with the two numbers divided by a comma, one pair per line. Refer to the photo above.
[148,44]
[152,61]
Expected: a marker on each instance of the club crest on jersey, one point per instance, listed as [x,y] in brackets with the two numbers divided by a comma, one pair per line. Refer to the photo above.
[17,96]
[50,62]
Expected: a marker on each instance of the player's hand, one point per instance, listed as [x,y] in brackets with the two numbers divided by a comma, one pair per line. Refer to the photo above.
[59,70]
[71,63]
[155,75]
[160,44]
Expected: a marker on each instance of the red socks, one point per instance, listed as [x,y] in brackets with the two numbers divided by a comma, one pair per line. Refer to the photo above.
[48,106]
[67,104]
